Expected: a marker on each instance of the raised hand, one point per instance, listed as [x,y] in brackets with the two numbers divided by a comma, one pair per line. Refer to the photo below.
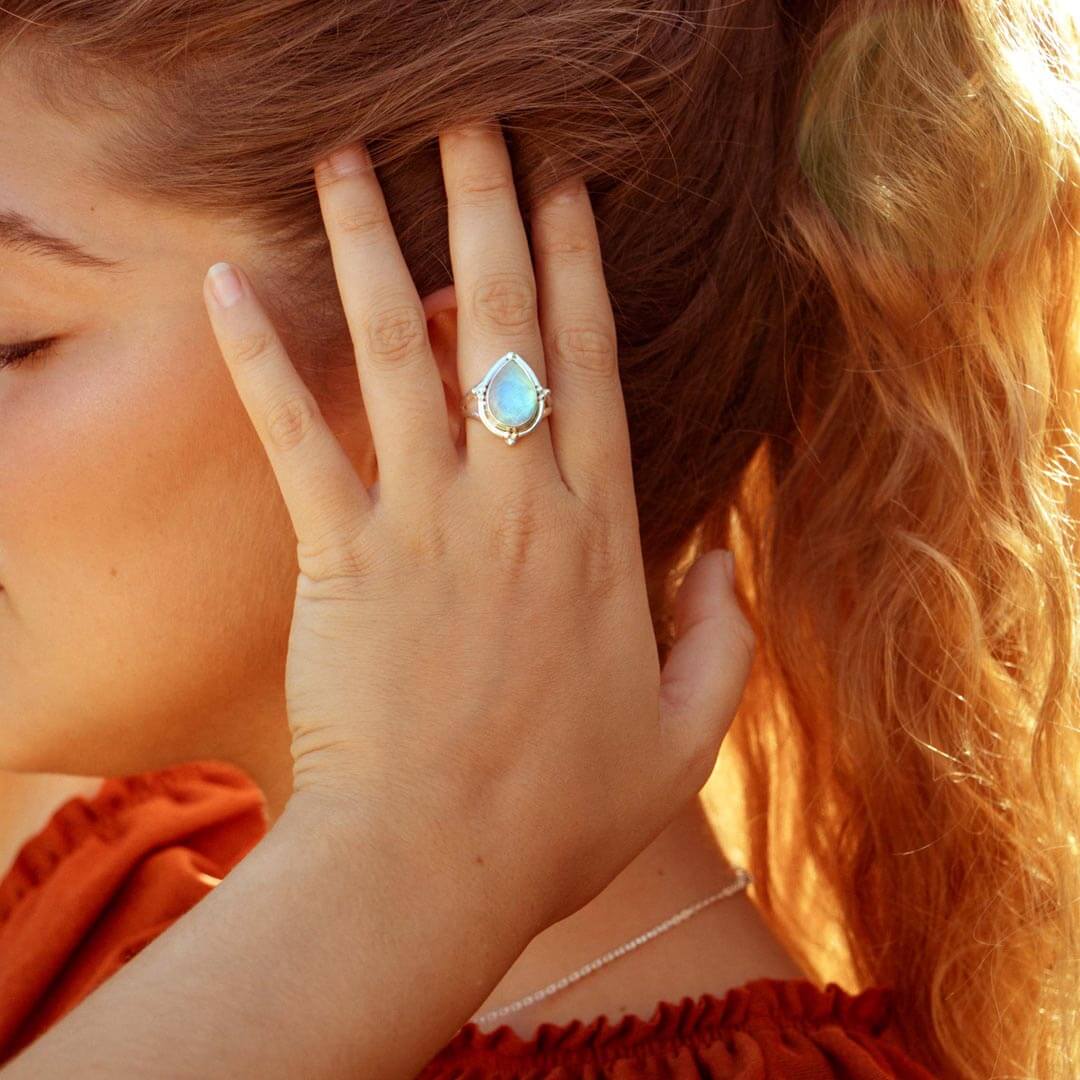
[471,663]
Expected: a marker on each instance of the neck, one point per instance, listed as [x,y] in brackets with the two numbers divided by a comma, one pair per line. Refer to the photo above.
[256,738]
[722,945]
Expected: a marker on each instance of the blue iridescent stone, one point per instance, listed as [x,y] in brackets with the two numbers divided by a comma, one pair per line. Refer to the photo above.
[511,396]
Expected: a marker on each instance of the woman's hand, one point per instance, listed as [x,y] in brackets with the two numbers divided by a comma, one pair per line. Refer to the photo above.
[482,737]
[472,663]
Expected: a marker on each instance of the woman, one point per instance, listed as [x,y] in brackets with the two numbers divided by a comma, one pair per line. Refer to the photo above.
[838,251]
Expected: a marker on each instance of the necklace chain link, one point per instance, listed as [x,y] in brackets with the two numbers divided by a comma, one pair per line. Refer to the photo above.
[742,879]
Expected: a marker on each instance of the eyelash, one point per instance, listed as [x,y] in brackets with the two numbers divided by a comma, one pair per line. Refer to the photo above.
[13,355]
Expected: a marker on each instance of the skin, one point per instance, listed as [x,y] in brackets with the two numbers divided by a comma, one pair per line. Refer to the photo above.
[137,631]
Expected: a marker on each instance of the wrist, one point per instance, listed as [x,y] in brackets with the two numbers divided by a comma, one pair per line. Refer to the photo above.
[422,872]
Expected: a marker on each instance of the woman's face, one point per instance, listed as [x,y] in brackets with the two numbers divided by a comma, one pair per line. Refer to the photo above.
[146,557]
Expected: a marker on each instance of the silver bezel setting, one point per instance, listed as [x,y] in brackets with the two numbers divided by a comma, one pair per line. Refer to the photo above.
[476,403]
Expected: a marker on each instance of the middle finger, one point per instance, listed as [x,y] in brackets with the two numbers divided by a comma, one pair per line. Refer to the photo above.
[399,379]
[494,283]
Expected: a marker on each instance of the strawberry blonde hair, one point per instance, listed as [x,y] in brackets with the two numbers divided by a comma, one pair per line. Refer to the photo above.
[841,240]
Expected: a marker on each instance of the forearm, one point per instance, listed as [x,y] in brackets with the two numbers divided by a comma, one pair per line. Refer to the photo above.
[327,952]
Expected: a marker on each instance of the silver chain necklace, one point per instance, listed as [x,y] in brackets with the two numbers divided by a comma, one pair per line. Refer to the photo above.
[742,879]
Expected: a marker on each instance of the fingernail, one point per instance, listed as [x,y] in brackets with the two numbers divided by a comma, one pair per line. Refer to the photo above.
[224,284]
[729,565]
[348,159]
[567,190]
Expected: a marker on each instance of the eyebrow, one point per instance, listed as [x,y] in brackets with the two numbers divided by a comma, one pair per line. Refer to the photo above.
[18,231]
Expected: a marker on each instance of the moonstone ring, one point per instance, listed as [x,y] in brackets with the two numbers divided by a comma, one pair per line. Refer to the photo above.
[509,399]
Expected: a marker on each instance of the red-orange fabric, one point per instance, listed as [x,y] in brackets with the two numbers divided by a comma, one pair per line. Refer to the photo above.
[108,873]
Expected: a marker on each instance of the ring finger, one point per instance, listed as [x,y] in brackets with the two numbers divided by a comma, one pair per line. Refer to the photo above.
[494,283]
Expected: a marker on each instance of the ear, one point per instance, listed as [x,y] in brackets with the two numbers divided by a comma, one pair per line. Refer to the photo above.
[440,308]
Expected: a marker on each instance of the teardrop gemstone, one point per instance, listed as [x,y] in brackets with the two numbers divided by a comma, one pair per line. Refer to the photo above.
[511,396]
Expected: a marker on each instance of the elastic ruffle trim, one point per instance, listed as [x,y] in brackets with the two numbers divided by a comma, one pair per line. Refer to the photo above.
[104,815]
[765,1001]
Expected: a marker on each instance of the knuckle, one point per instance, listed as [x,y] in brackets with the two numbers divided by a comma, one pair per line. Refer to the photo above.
[569,248]
[425,545]
[480,187]
[395,333]
[249,349]
[291,421]
[584,347]
[334,561]
[362,221]
[514,527]
[505,301]
[606,559]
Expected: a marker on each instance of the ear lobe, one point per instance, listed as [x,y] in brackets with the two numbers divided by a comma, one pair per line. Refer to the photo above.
[439,300]
[440,308]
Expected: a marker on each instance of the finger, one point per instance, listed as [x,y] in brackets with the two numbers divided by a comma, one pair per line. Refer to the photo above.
[324,495]
[702,682]
[589,431]
[495,286]
[399,378]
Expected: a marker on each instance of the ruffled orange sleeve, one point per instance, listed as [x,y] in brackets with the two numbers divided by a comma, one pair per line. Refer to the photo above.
[767,1029]
[106,875]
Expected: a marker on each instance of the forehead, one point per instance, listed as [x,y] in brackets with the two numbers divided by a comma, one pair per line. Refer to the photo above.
[43,168]
[46,175]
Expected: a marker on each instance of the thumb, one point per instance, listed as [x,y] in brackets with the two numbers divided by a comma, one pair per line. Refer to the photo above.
[706,670]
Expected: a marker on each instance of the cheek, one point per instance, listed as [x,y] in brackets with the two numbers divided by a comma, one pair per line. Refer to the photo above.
[141,472]
[146,549]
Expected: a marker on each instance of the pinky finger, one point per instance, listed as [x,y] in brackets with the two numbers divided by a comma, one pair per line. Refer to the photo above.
[324,495]
[706,672]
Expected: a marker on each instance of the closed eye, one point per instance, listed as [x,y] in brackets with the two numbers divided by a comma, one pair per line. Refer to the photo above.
[13,355]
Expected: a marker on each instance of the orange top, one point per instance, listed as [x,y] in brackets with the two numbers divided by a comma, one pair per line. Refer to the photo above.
[107,874]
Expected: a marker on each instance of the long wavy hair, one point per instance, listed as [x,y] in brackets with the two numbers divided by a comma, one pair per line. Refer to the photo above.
[841,241]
